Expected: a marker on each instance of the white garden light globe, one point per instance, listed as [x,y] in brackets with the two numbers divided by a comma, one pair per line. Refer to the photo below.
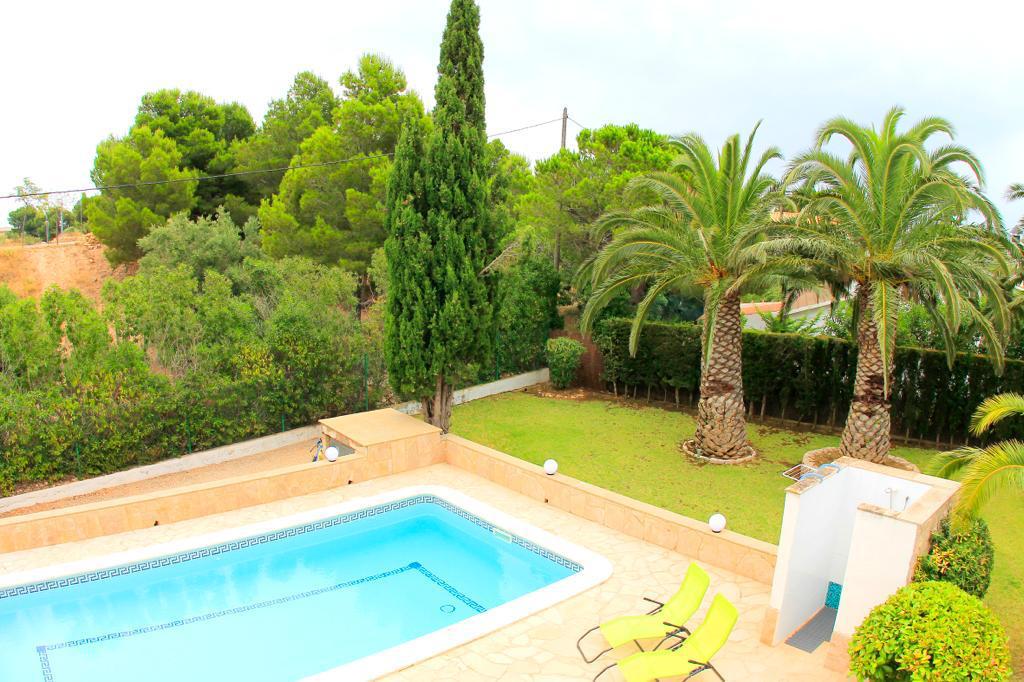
[717,523]
[332,454]
[550,467]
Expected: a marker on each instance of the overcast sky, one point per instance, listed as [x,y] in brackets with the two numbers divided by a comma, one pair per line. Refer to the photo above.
[74,73]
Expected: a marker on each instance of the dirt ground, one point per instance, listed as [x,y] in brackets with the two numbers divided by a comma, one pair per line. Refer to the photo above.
[298,453]
[73,261]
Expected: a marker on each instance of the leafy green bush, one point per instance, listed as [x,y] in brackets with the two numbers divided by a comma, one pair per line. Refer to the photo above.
[526,312]
[563,355]
[275,346]
[930,631]
[810,378]
[959,555]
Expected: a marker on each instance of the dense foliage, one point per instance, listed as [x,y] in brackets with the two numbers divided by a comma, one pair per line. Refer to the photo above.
[442,231]
[930,631]
[563,356]
[526,312]
[121,217]
[573,188]
[961,554]
[810,378]
[333,210]
[197,350]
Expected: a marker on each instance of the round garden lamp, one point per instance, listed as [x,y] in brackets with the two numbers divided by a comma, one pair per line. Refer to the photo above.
[550,467]
[717,522]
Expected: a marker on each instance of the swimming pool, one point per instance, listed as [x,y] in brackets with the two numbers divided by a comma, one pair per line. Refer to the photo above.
[346,592]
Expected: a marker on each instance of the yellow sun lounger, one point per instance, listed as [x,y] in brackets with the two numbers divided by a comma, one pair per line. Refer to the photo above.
[665,621]
[688,659]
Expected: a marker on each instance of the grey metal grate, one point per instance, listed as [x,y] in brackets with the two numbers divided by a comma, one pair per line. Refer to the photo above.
[815,631]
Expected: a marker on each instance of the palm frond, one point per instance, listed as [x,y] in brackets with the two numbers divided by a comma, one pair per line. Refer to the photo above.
[995,409]
[987,472]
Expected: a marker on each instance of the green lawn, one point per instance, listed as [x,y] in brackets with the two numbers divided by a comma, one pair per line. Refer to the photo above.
[634,451]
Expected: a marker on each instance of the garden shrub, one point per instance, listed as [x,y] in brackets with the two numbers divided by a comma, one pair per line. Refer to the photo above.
[563,355]
[961,554]
[930,631]
[810,378]
[525,313]
[276,347]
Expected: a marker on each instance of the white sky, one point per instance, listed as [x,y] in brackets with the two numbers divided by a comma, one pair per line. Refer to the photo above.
[74,72]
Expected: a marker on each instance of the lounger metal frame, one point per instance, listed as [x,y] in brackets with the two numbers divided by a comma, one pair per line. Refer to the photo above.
[676,633]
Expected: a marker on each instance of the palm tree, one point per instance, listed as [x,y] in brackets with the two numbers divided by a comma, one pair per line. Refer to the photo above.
[888,223]
[1015,192]
[690,235]
[986,471]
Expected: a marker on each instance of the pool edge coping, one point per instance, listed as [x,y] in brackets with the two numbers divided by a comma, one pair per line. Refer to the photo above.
[595,569]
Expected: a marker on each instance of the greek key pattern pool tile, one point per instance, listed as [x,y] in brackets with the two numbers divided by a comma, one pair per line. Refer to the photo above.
[242,543]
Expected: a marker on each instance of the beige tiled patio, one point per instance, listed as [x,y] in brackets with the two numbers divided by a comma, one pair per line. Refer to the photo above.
[541,647]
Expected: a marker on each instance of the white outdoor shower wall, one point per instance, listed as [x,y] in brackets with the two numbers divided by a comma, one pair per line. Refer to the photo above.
[819,529]
[799,585]
[882,549]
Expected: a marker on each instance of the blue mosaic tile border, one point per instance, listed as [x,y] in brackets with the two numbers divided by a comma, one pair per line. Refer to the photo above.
[835,591]
[43,650]
[242,543]
[525,544]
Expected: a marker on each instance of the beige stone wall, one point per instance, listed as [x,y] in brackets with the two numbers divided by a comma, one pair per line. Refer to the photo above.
[178,504]
[737,553]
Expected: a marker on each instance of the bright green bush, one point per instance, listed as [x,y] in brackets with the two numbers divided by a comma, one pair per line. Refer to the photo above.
[960,555]
[563,355]
[930,631]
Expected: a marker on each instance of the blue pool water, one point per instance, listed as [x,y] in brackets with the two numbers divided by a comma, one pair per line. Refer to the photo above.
[279,606]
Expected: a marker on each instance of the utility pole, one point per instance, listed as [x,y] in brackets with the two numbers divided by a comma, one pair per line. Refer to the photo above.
[558,232]
[565,120]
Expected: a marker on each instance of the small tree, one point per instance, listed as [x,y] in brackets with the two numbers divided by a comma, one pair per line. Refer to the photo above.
[440,232]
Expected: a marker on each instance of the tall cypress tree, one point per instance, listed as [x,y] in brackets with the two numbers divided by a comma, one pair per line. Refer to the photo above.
[440,232]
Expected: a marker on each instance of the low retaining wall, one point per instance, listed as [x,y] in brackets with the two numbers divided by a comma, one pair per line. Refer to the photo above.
[224,453]
[244,449]
[506,385]
[737,553]
[179,504]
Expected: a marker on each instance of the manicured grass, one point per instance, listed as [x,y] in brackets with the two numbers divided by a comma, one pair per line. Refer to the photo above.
[634,450]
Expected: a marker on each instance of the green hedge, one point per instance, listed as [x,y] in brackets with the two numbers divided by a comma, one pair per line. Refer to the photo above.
[810,378]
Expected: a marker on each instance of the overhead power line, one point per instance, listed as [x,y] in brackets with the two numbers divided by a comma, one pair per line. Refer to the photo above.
[218,176]
[577,123]
[173,181]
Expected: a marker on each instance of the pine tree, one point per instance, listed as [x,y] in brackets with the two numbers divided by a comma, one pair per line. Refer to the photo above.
[440,232]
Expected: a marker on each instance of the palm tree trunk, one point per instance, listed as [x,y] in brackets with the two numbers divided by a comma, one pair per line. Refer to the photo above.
[866,434]
[721,424]
[438,408]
